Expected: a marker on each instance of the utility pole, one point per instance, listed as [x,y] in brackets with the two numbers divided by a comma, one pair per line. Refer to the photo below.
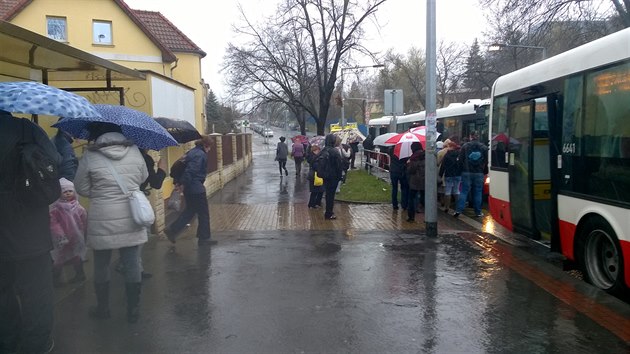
[430,180]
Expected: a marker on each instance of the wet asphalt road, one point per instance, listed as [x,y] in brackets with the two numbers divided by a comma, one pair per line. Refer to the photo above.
[342,291]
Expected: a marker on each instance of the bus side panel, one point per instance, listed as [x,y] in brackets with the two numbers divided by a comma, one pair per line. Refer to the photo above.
[500,211]
[567,237]
[572,210]
[499,199]
[625,250]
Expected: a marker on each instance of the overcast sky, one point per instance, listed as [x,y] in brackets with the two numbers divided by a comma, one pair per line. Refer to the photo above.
[403,25]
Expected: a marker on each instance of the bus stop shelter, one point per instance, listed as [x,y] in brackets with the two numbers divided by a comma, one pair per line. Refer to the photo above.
[26,55]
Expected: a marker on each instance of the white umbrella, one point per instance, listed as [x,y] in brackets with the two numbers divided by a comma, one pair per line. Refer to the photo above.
[380,140]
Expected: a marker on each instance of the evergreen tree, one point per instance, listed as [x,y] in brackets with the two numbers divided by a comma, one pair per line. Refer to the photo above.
[213,115]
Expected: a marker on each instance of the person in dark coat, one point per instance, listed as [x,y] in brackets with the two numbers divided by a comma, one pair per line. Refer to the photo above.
[415,176]
[472,173]
[331,157]
[69,161]
[451,171]
[194,194]
[317,192]
[355,149]
[368,144]
[398,177]
[26,281]
[282,153]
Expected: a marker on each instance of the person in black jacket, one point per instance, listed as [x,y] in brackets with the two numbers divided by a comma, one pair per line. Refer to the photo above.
[330,161]
[451,170]
[69,161]
[194,194]
[317,192]
[368,144]
[398,177]
[473,157]
[26,278]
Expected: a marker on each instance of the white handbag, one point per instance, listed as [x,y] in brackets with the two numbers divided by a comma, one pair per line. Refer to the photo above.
[141,210]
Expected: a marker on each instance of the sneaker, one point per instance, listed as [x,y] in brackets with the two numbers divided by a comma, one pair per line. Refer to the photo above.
[480,215]
[206,242]
[332,217]
[456,214]
[395,208]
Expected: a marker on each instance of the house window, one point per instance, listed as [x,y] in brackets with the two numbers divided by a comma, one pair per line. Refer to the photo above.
[102,32]
[57,28]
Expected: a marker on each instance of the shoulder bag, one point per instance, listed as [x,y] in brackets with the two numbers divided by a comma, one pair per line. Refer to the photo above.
[141,209]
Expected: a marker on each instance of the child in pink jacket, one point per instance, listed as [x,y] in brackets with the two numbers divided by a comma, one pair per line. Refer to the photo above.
[68,222]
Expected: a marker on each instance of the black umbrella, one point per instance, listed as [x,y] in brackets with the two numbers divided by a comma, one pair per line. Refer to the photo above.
[181,130]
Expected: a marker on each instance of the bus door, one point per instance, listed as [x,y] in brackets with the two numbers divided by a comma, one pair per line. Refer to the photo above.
[529,169]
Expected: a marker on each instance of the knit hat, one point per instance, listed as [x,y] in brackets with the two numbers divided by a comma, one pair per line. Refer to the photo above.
[66,185]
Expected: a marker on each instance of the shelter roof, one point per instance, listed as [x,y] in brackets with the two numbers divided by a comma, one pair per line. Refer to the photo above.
[26,55]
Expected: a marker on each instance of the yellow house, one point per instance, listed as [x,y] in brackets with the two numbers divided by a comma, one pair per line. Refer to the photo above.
[141,40]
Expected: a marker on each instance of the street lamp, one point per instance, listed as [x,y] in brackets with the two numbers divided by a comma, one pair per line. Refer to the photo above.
[498,46]
[343,116]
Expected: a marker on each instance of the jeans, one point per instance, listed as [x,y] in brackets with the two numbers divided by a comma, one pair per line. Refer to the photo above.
[330,186]
[26,304]
[451,185]
[130,258]
[397,179]
[195,204]
[474,182]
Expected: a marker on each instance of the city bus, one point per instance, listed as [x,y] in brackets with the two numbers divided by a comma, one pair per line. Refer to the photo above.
[458,119]
[560,157]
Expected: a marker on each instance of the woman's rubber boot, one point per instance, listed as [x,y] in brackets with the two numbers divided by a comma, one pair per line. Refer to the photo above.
[101,310]
[133,301]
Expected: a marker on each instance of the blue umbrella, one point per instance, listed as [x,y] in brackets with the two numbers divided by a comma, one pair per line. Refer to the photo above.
[35,98]
[137,126]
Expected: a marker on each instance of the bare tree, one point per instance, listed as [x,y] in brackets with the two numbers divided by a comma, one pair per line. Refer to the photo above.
[450,70]
[295,57]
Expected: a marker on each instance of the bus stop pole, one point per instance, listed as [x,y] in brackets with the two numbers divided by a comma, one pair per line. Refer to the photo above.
[430,198]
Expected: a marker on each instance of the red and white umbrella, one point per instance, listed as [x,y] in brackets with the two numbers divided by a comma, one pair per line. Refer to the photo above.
[403,143]
[421,130]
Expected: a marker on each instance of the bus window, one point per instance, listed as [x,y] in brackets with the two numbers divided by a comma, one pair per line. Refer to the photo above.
[500,138]
[604,158]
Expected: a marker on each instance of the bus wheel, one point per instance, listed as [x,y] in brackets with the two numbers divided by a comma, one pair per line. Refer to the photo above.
[602,258]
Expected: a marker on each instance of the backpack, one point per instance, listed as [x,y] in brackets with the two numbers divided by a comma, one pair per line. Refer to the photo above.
[36,173]
[326,165]
[474,155]
[177,169]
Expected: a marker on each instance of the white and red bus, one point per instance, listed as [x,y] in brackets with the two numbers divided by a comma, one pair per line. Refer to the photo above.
[457,119]
[560,156]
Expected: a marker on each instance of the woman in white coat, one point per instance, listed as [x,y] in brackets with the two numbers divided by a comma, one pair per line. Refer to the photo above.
[110,224]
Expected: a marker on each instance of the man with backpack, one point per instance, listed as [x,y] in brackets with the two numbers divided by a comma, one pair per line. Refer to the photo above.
[329,167]
[473,157]
[26,281]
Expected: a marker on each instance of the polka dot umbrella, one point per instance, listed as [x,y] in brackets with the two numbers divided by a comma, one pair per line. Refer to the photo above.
[35,98]
[137,126]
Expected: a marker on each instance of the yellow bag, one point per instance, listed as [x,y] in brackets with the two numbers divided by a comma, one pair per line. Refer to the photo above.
[317,181]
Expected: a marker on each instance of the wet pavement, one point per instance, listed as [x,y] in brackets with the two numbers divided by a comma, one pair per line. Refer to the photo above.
[284,280]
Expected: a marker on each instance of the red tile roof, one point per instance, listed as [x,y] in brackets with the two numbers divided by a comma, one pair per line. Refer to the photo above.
[159,30]
[167,32]
[10,8]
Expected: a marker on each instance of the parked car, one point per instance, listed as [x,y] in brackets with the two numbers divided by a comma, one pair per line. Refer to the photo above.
[267,133]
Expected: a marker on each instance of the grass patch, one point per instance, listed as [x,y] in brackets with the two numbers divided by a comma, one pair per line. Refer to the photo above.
[361,187]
